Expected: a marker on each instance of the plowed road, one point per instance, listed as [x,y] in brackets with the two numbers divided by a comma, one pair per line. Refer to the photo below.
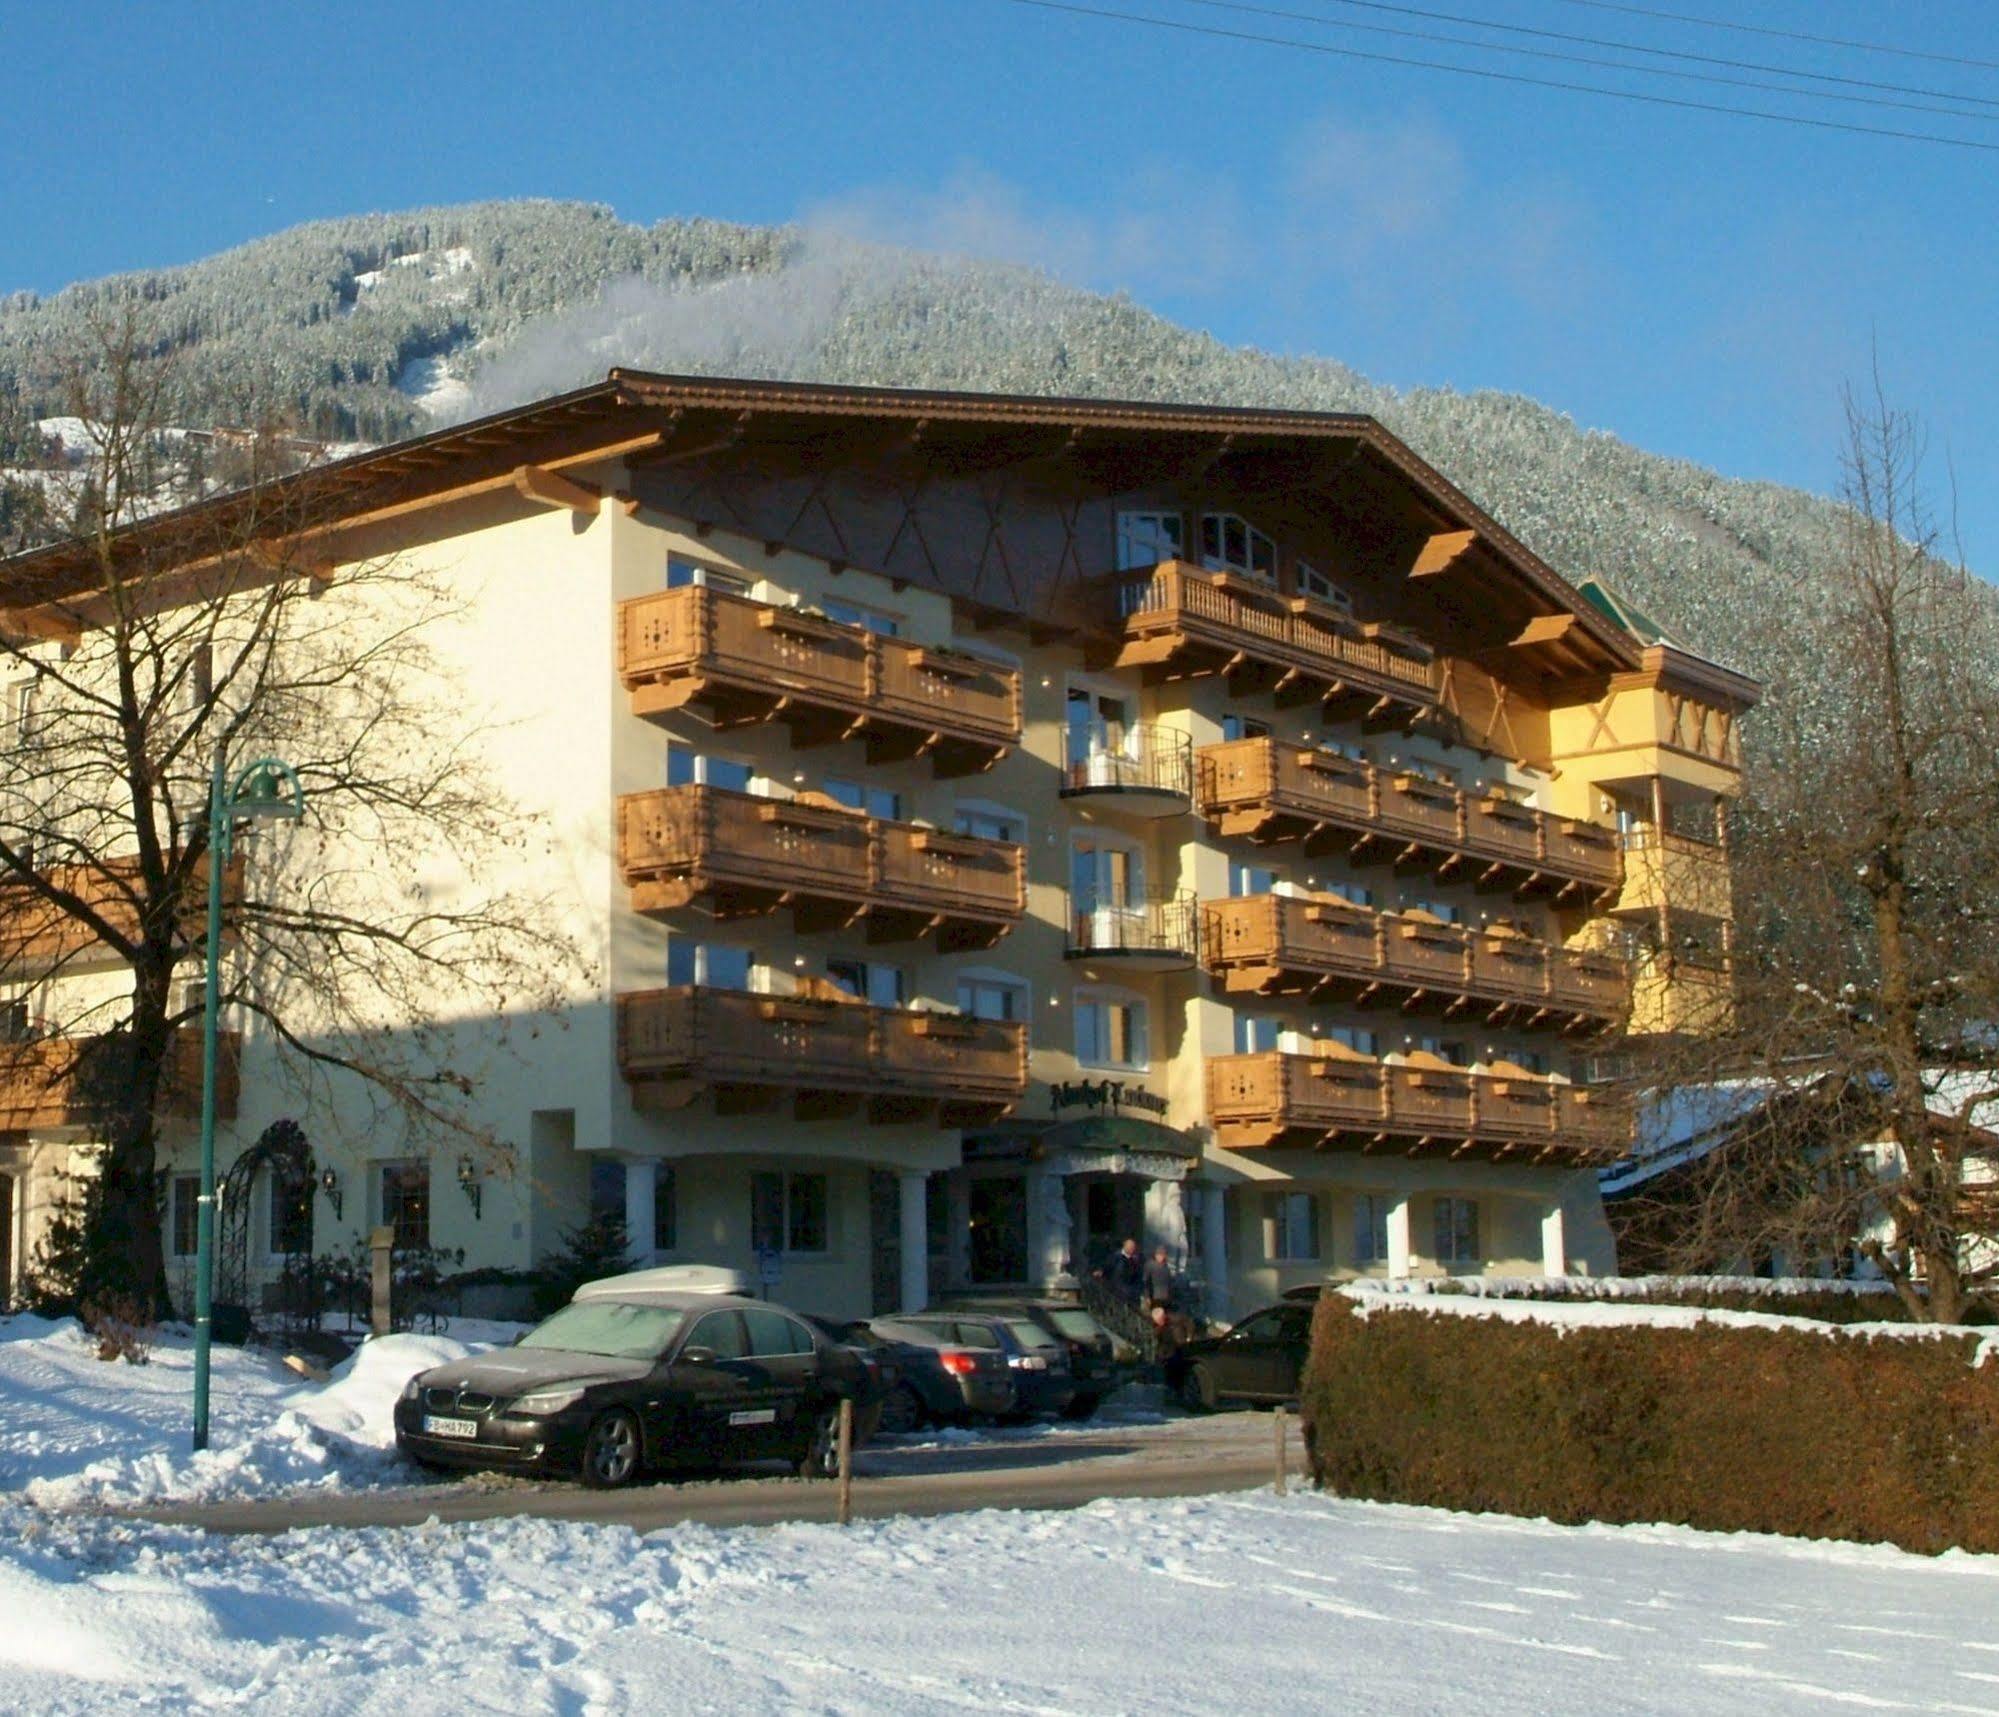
[1046,1467]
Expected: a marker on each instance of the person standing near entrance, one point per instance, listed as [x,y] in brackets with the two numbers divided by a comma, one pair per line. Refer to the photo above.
[1158,1281]
[1125,1274]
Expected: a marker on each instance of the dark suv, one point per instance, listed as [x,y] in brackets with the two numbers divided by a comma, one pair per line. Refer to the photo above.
[1093,1367]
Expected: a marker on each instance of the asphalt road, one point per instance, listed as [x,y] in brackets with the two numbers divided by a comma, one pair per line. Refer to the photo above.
[1056,1469]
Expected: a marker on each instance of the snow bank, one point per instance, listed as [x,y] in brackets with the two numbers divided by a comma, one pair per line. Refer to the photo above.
[76,1431]
[1270,1605]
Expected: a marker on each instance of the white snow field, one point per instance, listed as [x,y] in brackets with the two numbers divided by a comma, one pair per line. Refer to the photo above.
[75,1430]
[1249,1604]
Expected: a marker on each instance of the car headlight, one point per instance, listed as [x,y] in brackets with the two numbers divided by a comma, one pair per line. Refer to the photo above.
[546,1401]
[413,1388]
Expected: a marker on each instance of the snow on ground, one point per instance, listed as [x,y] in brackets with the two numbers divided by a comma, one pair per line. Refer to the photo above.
[75,1430]
[1244,1603]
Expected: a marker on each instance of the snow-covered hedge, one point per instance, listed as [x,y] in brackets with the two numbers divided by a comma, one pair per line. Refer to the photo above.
[1732,1421]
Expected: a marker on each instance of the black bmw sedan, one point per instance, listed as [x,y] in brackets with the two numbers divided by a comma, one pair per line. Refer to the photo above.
[610,1387]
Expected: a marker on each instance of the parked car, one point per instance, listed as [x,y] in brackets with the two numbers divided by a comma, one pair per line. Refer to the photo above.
[942,1380]
[1036,1359]
[654,1369]
[1261,1359]
[1093,1357]
[877,1356]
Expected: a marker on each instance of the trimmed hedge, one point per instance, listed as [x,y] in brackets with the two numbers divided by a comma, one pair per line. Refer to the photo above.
[1817,1435]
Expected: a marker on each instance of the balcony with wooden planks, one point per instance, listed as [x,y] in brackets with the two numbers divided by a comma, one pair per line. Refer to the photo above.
[1322,947]
[829,1057]
[58,1081]
[36,936]
[738,662]
[1676,871]
[738,855]
[1178,620]
[1341,1100]
[1270,791]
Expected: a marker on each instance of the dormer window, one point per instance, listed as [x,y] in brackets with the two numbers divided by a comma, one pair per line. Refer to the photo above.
[1314,583]
[1230,543]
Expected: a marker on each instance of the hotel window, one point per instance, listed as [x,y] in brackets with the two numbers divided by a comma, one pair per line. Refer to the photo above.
[869,981]
[686,767]
[289,1228]
[1251,878]
[883,802]
[1291,1227]
[1100,735]
[185,1216]
[404,1203]
[1353,893]
[1454,1050]
[787,1212]
[991,823]
[1105,873]
[1110,1029]
[992,998]
[681,574]
[1244,727]
[1230,543]
[1257,1033]
[1356,1038]
[713,964]
[1457,1231]
[1314,583]
[198,685]
[1370,1227]
[1442,909]
[868,619]
[27,698]
[1145,539]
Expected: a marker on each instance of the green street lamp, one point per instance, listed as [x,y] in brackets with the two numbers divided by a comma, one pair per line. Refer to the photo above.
[267,788]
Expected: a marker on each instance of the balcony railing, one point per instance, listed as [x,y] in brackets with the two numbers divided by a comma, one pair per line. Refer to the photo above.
[739,855]
[1361,1104]
[35,935]
[833,1056]
[1271,944]
[1141,759]
[1274,792]
[68,1082]
[744,662]
[1678,871]
[1190,620]
[1161,931]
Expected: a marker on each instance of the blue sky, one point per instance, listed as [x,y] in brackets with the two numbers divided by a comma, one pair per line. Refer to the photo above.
[1698,284]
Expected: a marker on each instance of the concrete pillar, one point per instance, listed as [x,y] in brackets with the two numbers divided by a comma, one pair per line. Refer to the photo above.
[1051,1242]
[1165,1220]
[641,1177]
[1215,1247]
[1398,1238]
[1554,1245]
[915,1240]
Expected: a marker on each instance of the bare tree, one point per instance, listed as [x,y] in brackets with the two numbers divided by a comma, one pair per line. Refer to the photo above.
[355,938]
[1867,942]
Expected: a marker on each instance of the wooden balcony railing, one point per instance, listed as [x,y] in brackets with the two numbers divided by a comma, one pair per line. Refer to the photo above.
[1676,871]
[1271,791]
[66,1081]
[740,855]
[743,662]
[1183,619]
[1318,945]
[36,936]
[834,1057]
[1361,1104]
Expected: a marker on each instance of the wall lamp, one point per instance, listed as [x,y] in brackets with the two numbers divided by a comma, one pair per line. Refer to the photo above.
[329,1183]
[471,1185]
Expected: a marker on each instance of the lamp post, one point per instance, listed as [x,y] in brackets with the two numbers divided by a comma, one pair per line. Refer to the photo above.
[266,788]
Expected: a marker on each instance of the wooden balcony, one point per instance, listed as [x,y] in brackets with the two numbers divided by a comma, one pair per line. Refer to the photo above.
[736,855]
[1674,871]
[1321,947]
[738,662]
[831,1058]
[1346,1102]
[61,1081]
[37,937]
[1688,995]
[1177,620]
[1269,791]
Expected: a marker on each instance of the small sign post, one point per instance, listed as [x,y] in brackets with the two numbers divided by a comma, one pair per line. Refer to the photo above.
[846,1452]
[381,1248]
[770,1268]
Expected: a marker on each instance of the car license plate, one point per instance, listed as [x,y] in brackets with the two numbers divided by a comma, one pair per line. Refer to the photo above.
[436,1427]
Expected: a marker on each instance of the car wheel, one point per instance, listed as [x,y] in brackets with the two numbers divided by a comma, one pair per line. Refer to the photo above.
[1083,1407]
[820,1456]
[611,1451]
[1197,1389]
[902,1412]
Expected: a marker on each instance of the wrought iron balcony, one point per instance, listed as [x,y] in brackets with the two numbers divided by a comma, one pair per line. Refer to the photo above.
[1159,933]
[1142,767]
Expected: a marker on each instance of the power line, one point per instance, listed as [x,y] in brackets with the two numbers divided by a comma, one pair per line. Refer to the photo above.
[1634,48]
[1490,75]
[1788,35]
[1583,59]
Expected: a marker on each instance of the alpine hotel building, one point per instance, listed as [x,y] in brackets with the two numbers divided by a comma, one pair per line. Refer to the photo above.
[1006,825]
